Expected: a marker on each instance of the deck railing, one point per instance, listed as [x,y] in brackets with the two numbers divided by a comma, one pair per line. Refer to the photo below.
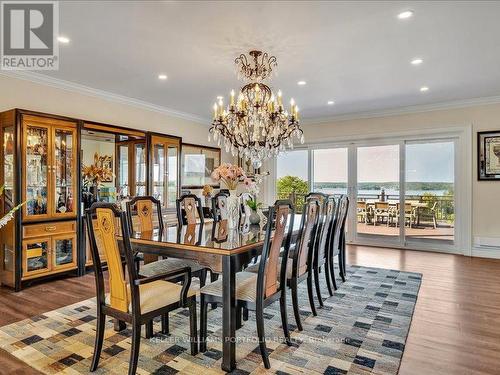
[443,206]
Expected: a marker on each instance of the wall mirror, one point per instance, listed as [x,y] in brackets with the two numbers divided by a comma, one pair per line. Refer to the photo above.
[114,164]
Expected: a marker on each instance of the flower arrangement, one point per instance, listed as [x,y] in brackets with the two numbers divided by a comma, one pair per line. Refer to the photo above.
[231,175]
[95,174]
[10,215]
[207,191]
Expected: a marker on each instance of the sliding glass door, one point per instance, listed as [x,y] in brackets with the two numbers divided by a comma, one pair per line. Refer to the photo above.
[377,190]
[402,193]
[430,191]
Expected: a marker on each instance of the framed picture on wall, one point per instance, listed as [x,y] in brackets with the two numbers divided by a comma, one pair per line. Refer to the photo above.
[488,149]
[198,163]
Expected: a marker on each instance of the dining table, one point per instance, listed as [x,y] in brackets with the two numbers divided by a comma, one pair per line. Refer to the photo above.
[223,250]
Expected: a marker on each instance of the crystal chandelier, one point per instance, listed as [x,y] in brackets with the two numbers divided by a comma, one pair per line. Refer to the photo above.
[255,124]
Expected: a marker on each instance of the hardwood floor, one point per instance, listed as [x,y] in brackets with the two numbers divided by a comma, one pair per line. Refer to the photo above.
[455,328]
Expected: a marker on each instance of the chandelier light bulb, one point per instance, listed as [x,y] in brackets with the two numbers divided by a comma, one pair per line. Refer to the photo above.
[232,98]
[215,111]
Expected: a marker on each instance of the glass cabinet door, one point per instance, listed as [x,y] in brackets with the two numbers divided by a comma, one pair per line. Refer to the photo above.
[64,167]
[165,166]
[36,171]
[140,169]
[159,171]
[36,256]
[173,182]
[123,171]
[63,251]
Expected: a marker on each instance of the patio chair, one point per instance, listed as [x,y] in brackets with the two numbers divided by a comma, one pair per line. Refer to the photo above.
[410,214]
[381,213]
[362,212]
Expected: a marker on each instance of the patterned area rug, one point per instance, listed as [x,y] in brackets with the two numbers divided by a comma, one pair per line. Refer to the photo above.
[361,329]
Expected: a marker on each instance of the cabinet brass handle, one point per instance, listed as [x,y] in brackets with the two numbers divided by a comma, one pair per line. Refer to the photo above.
[50,229]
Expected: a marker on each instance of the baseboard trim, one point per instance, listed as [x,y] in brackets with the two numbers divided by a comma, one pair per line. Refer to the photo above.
[492,252]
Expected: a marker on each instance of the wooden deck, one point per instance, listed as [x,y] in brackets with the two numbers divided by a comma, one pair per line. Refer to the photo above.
[440,233]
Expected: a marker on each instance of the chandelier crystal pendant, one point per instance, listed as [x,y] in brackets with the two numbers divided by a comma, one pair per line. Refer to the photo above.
[255,124]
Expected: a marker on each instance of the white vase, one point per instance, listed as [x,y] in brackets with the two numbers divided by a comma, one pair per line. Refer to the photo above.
[233,210]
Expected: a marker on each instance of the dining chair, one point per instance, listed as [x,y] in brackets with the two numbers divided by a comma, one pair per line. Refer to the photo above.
[327,206]
[144,208]
[362,212]
[245,210]
[300,257]
[219,206]
[337,242]
[409,214]
[144,215]
[381,211]
[134,299]
[256,291]
[189,210]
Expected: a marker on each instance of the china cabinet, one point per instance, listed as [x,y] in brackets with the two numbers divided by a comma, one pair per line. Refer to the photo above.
[41,161]
[165,171]
[38,167]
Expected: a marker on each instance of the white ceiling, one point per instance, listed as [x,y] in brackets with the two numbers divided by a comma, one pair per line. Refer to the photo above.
[356,53]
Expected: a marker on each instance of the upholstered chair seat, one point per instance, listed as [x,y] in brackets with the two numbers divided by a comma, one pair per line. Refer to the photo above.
[155,295]
[246,287]
[166,265]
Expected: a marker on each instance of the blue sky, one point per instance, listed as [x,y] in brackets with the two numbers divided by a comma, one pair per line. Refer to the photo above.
[425,162]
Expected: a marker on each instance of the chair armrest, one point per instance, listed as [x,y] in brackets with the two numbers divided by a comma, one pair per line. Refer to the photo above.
[185,271]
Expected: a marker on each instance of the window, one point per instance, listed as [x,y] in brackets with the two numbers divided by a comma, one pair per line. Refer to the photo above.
[292,176]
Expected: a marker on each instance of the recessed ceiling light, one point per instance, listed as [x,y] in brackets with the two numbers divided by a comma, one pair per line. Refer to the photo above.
[301,83]
[220,97]
[330,102]
[406,14]
[63,39]
[417,61]
[424,89]
[162,76]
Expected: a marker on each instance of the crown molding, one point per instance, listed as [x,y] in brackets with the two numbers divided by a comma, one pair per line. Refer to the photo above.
[406,110]
[101,94]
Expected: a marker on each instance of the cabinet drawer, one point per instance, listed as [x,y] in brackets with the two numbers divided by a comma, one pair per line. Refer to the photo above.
[45,229]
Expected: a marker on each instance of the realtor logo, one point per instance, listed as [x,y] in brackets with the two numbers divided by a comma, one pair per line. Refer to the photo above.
[29,32]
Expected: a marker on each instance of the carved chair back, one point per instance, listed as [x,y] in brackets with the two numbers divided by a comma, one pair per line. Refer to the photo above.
[303,254]
[189,210]
[278,235]
[144,214]
[339,232]
[103,223]
[219,206]
[245,209]
[324,223]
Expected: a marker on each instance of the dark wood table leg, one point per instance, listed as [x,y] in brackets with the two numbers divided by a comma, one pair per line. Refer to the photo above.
[228,314]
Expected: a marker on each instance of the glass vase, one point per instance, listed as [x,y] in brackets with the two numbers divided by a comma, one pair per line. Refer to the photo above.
[233,210]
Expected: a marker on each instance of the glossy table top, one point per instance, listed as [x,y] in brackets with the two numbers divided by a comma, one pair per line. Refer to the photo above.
[208,237]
